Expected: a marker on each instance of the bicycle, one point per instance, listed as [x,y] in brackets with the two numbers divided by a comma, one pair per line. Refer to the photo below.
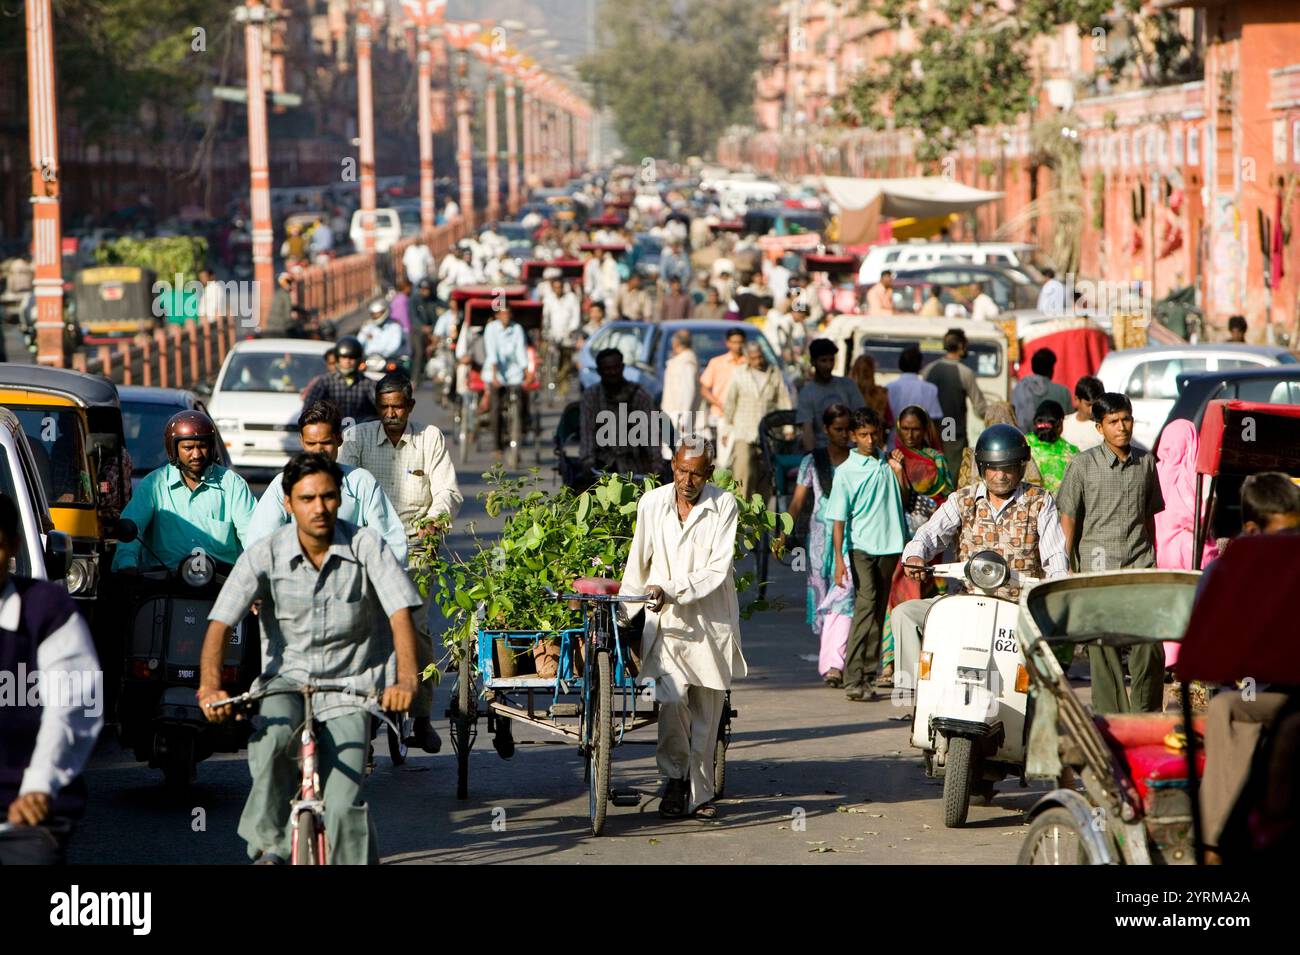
[308,810]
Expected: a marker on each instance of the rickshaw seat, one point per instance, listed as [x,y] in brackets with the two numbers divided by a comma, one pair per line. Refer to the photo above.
[1139,739]
[596,586]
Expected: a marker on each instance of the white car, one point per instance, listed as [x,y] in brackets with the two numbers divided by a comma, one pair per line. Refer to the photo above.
[258,398]
[914,255]
[1149,376]
[388,229]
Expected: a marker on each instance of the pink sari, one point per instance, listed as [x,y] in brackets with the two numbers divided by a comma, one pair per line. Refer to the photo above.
[1175,530]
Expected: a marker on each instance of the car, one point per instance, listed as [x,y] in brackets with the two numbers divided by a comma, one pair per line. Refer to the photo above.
[144,416]
[258,397]
[1009,287]
[1149,376]
[897,256]
[512,232]
[645,348]
[388,229]
[648,250]
[45,553]
[1278,385]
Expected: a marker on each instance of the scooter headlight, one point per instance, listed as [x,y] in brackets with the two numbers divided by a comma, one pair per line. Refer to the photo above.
[987,570]
[198,570]
[81,577]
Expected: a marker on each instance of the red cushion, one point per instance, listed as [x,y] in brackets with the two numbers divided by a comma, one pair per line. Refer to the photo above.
[1156,764]
[1139,739]
[1141,729]
[595,585]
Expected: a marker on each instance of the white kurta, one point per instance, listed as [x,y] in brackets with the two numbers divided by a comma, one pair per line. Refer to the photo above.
[695,638]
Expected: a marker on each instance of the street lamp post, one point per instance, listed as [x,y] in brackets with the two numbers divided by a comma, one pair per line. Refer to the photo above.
[512,141]
[491,146]
[254,15]
[366,126]
[47,244]
[460,36]
[426,14]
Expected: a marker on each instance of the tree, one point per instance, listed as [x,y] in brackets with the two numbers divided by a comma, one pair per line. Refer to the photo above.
[970,67]
[678,73]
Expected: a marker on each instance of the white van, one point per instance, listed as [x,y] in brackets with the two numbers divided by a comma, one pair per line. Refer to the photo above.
[913,255]
[388,229]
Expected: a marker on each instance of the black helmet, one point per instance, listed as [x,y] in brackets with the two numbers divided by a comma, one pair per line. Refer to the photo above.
[348,347]
[1001,444]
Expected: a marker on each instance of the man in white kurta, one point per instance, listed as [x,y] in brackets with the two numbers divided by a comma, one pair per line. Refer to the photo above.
[681,557]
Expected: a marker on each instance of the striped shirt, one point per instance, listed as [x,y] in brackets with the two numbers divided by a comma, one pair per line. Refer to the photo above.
[1112,501]
[416,473]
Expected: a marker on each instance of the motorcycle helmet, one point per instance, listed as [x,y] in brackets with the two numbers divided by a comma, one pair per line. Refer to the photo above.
[378,309]
[349,347]
[1001,444]
[425,283]
[189,425]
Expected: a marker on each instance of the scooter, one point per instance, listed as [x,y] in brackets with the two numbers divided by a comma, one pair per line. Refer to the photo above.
[377,365]
[158,712]
[971,685]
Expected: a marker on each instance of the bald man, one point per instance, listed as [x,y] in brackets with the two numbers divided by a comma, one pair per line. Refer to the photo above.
[681,557]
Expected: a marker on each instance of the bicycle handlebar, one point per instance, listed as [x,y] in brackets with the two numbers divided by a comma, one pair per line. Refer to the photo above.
[600,598]
[367,703]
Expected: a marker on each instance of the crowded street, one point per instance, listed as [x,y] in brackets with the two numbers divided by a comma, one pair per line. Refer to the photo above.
[723,433]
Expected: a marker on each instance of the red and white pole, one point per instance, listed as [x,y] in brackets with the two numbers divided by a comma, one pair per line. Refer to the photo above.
[493,159]
[47,240]
[366,127]
[254,16]
[528,136]
[512,145]
[464,143]
[424,92]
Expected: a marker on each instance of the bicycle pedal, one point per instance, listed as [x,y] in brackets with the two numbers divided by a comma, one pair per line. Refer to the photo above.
[625,797]
[564,709]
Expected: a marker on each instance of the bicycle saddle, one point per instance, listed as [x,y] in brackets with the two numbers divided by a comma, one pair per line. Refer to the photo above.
[595,586]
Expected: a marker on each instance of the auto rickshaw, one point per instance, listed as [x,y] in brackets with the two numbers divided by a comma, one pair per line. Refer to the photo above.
[73,424]
[113,302]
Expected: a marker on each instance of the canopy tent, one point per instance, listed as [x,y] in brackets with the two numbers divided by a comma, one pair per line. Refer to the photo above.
[864,202]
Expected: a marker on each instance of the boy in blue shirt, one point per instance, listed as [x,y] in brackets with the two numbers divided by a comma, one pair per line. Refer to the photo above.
[867,495]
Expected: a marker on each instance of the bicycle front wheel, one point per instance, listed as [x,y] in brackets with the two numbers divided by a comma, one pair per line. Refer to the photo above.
[308,839]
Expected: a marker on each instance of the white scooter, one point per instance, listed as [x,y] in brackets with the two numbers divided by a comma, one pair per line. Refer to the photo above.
[971,685]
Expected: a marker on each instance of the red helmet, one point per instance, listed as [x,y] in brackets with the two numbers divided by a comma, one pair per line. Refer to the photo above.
[188,425]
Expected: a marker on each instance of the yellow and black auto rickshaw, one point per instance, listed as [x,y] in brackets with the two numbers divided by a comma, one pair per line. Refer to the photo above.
[113,302]
[73,424]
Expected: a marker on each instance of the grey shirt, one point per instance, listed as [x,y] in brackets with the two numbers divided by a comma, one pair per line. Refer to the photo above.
[1111,501]
[328,625]
[815,398]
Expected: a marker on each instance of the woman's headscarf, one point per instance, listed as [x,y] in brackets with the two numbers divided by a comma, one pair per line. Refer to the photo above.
[1176,469]
[925,467]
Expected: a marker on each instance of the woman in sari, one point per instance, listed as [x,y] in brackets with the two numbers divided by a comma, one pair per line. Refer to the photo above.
[1175,525]
[830,606]
[920,451]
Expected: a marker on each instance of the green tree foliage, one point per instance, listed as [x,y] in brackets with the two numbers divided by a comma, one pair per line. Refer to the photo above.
[168,257]
[112,56]
[677,73]
[971,66]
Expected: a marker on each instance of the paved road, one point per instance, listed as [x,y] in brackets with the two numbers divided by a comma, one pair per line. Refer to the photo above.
[812,778]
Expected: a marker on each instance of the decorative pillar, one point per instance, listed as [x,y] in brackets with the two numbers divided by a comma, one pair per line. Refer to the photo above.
[254,15]
[366,127]
[512,144]
[47,240]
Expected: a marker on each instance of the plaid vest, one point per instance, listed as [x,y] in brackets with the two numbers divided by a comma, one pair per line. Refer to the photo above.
[1014,535]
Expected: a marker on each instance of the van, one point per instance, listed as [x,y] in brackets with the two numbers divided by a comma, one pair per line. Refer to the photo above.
[885,337]
[45,553]
[388,230]
[915,255]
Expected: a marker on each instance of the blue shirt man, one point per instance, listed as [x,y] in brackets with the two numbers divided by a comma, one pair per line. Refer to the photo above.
[507,351]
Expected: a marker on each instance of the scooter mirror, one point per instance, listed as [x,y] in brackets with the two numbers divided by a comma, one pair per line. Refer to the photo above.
[125,531]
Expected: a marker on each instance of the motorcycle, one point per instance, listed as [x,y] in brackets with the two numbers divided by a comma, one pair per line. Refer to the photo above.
[971,685]
[377,365]
[158,712]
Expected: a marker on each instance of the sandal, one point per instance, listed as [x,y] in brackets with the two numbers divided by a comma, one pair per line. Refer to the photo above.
[708,812]
[834,678]
[886,677]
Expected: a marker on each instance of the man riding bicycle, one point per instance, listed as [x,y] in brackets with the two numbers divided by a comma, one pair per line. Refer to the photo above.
[326,587]
[352,392]
[505,365]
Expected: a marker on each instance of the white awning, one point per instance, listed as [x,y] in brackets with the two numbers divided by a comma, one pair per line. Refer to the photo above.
[917,197]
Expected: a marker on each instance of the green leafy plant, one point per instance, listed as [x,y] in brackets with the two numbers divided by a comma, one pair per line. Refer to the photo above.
[168,257]
[550,540]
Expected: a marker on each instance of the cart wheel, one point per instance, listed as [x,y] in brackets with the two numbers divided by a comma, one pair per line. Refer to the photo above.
[462,723]
[958,778]
[516,425]
[719,768]
[1054,839]
[504,739]
[602,741]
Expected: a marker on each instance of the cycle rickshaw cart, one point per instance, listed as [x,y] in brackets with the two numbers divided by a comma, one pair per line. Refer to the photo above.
[534,272]
[528,315]
[1141,772]
[594,699]
[839,292]
[470,388]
